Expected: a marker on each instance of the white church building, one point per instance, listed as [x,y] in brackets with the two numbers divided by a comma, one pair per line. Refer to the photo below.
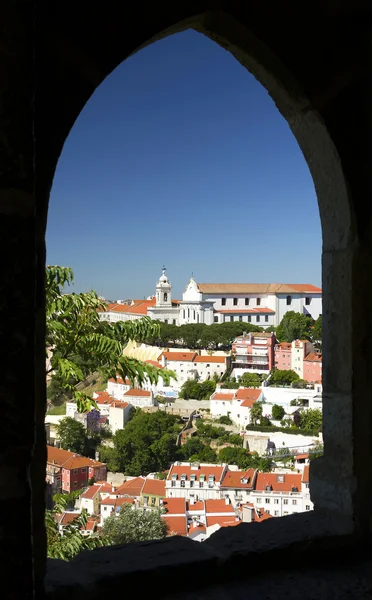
[262,304]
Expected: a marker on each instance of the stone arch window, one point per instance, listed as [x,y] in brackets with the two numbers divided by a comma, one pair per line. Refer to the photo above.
[329,123]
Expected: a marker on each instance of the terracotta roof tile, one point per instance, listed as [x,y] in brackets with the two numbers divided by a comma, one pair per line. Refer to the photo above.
[154,487]
[137,392]
[223,521]
[132,487]
[218,506]
[233,479]
[177,525]
[313,357]
[219,396]
[257,288]
[271,479]
[306,474]
[175,506]
[210,359]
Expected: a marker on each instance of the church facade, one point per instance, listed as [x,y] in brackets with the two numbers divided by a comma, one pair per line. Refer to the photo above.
[263,304]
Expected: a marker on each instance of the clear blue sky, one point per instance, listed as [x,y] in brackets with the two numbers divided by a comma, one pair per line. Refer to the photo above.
[181,158]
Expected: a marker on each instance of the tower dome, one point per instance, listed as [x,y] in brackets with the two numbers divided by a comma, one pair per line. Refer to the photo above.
[163,290]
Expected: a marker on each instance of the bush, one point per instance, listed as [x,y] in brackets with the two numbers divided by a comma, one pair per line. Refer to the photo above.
[273,429]
[225,420]
[277,412]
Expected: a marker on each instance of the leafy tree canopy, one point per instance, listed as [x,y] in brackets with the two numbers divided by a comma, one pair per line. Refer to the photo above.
[80,343]
[147,444]
[283,377]
[294,326]
[72,435]
[134,525]
[311,419]
[277,412]
[197,391]
[251,380]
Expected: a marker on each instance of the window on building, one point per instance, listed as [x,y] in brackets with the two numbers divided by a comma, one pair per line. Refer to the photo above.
[105,508]
[285,501]
[276,501]
[307,301]
[267,500]
[235,302]
[240,318]
[307,506]
[165,320]
[266,318]
[249,318]
[289,300]
[216,319]
[153,501]
[247,301]
[201,484]
[259,500]
[68,484]
[194,315]
[173,483]
[231,318]
[165,297]
[84,470]
[276,513]
[184,314]
[174,321]
[63,471]
[75,483]
[294,502]
[183,483]
[223,301]
[145,500]
[258,301]
[188,313]
[258,319]
[75,471]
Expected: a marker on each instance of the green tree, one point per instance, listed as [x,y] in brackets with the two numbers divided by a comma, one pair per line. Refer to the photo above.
[250,380]
[235,456]
[256,413]
[236,439]
[191,389]
[294,326]
[283,377]
[277,412]
[193,446]
[318,332]
[225,420]
[311,419]
[207,454]
[110,456]
[147,444]
[134,525]
[72,435]
[81,344]
[72,542]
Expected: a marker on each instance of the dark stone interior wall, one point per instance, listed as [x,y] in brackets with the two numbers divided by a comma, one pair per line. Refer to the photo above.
[315,62]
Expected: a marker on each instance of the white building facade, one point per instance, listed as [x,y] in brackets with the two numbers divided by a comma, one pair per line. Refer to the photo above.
[260,304]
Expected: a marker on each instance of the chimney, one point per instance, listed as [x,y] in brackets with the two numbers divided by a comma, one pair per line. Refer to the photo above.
[96,456]
[192,501]
[248,512]
[227,500]
[112,488]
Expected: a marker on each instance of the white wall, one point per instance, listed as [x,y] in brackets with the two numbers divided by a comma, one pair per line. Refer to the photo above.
[257,440]
[283,396]
[220,408]
[117,390]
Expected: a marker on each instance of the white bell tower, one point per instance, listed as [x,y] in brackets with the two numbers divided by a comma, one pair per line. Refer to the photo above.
[163,291]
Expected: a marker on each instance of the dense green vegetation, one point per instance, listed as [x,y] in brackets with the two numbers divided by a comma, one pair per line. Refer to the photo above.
[134,526]
[199,336]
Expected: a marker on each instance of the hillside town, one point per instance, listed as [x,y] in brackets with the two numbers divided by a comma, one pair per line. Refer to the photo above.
[243,420]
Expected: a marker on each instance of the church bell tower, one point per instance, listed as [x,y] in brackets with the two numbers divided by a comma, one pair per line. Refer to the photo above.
[164,291]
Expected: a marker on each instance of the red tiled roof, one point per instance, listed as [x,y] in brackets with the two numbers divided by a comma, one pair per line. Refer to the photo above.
[248,395]
[306,474]
[99,486]
[313,357]
[132,487]
[210,359]
[197,506]
[257,288]
[137,392]
[154,487]
[68,517]
[175,506]
[220,396]
[176,525]
[233,479]
[290,481]
[215,470]
[117,501]
[302,456]
[283,346]
[69,460]
[223,521]
[218,506]
[179,356]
